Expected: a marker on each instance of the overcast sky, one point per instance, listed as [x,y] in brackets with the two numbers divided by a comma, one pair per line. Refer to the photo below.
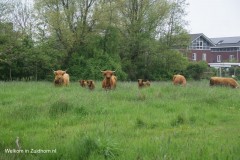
[214,18]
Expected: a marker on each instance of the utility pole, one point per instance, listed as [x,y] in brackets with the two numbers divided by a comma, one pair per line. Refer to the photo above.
[220,72]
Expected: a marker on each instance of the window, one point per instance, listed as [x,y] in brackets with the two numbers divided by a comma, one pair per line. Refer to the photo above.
[194,56]
[204,57]
[218,58]
[200,44]
[231,58]
[220,42]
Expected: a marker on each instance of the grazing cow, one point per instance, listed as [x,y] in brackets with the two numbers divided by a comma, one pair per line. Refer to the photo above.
[220,81]
[90,84]
[109,81]
[179,80]
[61,78]
[142,83]
[83,83]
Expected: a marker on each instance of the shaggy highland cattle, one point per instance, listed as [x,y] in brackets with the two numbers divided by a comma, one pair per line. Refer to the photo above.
[220,81]
[179,80]
[90,84]
[83,83]
[109,81]
[61,78]
[142,83]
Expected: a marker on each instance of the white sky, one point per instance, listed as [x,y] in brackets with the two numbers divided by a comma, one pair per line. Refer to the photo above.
[214,18]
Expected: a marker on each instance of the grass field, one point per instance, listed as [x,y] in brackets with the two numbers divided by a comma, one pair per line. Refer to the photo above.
[196,122]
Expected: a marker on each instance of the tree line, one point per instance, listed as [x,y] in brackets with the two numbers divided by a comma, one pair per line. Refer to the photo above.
[138,38]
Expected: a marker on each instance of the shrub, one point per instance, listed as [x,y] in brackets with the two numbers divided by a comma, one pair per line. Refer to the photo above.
[235,71]
[195,70]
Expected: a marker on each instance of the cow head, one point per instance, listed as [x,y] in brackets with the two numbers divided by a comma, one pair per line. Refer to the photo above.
[108,73]
[140,81]
[83,83]
[58,76]
[89,82]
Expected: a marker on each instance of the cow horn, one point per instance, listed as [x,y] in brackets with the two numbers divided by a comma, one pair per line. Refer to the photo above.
[102,71]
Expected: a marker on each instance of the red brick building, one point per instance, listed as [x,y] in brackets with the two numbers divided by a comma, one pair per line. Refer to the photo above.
[217,52]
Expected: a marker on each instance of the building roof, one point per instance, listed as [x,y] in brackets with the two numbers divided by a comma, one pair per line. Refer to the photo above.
[227,41]
[220,42]
[195,36]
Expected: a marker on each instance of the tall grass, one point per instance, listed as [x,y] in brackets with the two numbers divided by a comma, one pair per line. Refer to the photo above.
[160,122]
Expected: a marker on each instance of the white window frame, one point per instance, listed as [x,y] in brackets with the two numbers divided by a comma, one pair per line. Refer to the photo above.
[231,57]
[200,45]
[219,58]
[194,56]
[204,56]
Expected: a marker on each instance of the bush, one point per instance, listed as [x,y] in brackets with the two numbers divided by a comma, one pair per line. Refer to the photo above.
[235,71]
[195,70]
[166,64]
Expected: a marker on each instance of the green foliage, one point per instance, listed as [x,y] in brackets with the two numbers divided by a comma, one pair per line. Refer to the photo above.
[235,71]
[83,68]
[195,70]
[168,63]
[136,38]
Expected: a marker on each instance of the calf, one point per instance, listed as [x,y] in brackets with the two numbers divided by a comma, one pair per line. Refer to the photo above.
[91,84]
[142,83]
[83,83]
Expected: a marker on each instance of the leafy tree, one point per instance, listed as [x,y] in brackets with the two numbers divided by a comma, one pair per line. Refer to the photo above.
[68,21]
[173,34]
[6,8]
[135,37]
[9,45]
[141,20]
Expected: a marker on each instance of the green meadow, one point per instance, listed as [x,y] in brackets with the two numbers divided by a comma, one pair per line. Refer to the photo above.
[163,122]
